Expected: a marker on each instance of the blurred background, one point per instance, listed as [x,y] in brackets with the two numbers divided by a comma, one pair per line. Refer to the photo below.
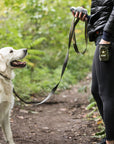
[42,26]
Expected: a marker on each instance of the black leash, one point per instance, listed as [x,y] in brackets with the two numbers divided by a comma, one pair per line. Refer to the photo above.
[72,36]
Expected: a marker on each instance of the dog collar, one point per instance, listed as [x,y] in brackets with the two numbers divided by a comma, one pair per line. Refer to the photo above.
[5,76]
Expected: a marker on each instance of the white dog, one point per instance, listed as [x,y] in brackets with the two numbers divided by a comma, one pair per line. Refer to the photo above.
[8,61]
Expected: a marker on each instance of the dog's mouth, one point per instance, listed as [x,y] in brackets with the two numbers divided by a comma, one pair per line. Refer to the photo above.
[17,63]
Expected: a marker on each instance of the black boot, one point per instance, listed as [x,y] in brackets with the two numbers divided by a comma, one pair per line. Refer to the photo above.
[103,141]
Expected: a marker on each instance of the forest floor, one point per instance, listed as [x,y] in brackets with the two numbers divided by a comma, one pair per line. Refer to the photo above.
[62,120]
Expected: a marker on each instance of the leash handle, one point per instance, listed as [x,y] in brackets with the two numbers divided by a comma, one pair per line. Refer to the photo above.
[72,36]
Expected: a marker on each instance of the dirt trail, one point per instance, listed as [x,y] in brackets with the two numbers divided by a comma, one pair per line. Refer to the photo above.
[60,121]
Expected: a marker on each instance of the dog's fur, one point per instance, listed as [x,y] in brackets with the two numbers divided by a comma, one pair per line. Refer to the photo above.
[7,55]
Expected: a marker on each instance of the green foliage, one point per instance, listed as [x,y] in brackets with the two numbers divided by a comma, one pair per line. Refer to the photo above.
[101,134]
[91,105]
[42,27]
[94,115]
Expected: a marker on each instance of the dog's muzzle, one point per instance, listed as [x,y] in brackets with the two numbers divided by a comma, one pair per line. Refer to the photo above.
[18,63]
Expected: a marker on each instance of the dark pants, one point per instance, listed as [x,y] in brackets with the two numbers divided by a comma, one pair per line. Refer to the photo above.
[103,89]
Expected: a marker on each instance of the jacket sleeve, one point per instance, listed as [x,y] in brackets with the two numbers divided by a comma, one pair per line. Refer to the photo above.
[110,23]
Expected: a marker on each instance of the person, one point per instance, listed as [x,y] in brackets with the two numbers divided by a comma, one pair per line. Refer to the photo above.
[101,31]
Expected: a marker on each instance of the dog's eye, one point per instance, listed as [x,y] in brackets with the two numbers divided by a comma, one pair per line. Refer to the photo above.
[11,51]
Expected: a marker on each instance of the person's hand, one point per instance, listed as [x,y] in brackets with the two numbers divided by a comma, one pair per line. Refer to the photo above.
[79,12]
[79,15]
[104,42]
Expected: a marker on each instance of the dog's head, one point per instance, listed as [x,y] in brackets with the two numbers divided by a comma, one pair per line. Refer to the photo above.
[9,58]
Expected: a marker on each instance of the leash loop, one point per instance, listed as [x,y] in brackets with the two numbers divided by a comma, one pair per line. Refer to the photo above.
[72,36]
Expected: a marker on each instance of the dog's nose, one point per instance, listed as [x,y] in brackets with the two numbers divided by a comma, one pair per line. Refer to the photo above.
[25,51]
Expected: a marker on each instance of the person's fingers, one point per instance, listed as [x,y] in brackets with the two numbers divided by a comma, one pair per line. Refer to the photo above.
[104,42]
[80,15]
[86,18]
[76,15]
[83,18]
[73,13]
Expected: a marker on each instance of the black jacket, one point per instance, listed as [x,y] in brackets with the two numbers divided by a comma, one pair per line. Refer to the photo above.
[102,18]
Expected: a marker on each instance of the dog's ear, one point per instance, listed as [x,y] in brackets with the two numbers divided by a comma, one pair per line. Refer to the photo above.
[2,64]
